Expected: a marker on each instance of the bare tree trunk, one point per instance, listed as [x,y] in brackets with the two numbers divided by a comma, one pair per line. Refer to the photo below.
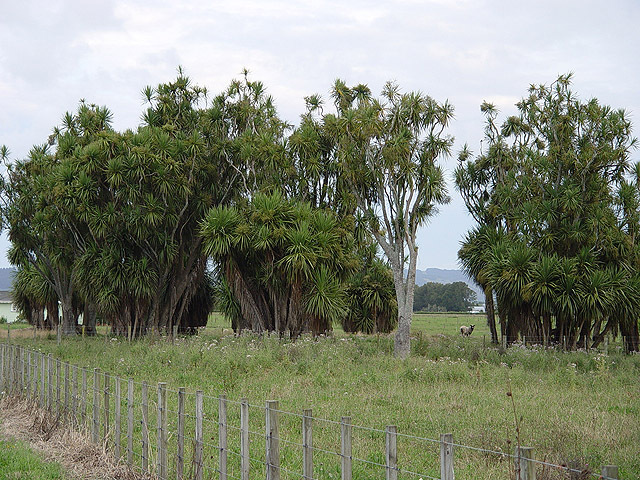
[69,319]
[404,292]
[546,328]
[89,319]
[37,316]
[630,336]
[598,336]
[491,315]
[53,315]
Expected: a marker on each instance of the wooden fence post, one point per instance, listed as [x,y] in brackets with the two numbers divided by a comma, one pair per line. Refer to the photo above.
[307,444]
[95,430]
[67,411]
[446,456]
[162,431]
[525,469]
[34,378]
[50,382]
[2,367]
[20,360]
[7,368]
[8,381]
[145,427]
[118,414]
[244,439]
[180,451]
[23,371]
[273,441]
[222,435]
[43,379]
[74,394]
[197,453]
[58,374]
[84,397]
[16,369]
[107,407]
[130,422]
[12,364]
[345,447]
[609,472]
[391,452]
[28,384]
[16,362]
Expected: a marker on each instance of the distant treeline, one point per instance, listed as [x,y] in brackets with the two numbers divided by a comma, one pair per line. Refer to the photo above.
[443,297]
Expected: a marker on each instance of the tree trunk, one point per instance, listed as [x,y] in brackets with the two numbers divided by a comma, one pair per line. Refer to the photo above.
[37,316]
[546,328]
[69,319]
[585,333]
[404,292]
[53,315]
[598,336]
[491,316]
[630,336]
[89,319]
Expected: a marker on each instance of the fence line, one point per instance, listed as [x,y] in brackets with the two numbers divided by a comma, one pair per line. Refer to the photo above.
[183,453]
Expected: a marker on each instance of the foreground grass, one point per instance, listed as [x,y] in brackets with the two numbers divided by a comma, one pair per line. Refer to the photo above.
[575,408]
[17,461]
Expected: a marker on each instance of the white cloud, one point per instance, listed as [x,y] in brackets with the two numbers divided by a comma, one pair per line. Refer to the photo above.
[52,53]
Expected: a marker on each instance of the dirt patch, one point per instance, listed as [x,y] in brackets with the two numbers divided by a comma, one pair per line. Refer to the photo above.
[44,433]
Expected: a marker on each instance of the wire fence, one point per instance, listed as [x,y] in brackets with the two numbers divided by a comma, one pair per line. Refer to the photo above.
[189,435]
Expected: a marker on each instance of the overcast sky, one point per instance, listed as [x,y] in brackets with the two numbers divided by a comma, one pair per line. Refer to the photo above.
[53,53]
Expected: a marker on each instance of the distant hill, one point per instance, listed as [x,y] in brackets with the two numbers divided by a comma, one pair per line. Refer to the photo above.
[6,278]
[439,275]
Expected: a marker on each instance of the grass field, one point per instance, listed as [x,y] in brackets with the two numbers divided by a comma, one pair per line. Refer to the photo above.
[18,462]
[575,408]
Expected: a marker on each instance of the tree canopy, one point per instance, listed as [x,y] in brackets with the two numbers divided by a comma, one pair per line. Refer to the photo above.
[443,297]
[216,198]
[556,210]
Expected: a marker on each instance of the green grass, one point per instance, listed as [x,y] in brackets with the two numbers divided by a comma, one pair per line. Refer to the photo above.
[573,407]
[17,461]
[15,326]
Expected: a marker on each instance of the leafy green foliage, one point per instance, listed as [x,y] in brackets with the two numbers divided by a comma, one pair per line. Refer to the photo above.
[385,154]
[557,218]
[282,264]
[372,299]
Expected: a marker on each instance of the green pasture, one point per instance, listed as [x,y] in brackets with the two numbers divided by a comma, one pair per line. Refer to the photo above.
[18,462]
[425,323]
[575,408]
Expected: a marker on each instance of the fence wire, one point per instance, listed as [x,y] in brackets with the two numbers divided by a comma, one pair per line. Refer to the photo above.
[218,440]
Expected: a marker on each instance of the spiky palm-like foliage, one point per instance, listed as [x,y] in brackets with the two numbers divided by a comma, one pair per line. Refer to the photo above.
[282,262]
[553,178]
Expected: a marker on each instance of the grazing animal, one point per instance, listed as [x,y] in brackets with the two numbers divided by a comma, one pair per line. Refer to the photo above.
[466,331]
